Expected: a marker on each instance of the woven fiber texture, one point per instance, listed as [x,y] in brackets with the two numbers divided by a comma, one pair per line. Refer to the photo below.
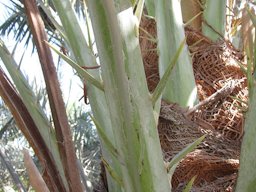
[222,91]
[216,65]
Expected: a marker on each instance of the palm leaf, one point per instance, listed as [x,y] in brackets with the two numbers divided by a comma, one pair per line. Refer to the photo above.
[16,24]
[31,105]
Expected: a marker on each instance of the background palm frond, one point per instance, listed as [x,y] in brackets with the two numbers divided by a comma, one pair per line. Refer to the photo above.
[16,24]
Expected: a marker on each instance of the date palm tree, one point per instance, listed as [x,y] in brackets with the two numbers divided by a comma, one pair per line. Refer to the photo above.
[124,111]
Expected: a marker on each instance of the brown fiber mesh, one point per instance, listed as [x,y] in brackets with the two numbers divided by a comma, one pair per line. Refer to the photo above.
[215,65]
[215,161]
[216,157]
[149,52]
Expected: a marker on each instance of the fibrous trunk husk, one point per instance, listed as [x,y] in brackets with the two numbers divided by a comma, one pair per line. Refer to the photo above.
[215,65]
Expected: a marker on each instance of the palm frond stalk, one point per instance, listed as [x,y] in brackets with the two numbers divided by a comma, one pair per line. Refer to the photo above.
[247,174]
[214,28]
[84,57]
[33,134]
[181,87]
[131,114]
[62,129]
[122,70]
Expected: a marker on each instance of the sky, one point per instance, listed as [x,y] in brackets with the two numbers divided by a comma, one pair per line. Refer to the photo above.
[30,65]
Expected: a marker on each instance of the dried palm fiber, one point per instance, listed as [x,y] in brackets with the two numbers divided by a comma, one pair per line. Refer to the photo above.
[215,66]
[221,184]
[215,161]
[215,157]
[149,51]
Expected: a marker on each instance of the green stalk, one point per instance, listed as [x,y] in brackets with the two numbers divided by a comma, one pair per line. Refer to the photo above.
[247,173]
[163,81]
[181,86]
[82,72]
[189,186]
[177,158]
[150,5]
[85,57]
[215,19]
[139,9]
[129,103]
[109,146]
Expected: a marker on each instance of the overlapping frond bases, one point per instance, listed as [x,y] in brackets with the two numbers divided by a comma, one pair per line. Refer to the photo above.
[217,67]
[16,24]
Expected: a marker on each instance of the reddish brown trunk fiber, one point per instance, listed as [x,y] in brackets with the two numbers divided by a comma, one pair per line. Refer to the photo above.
[60,120]
[28,127]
